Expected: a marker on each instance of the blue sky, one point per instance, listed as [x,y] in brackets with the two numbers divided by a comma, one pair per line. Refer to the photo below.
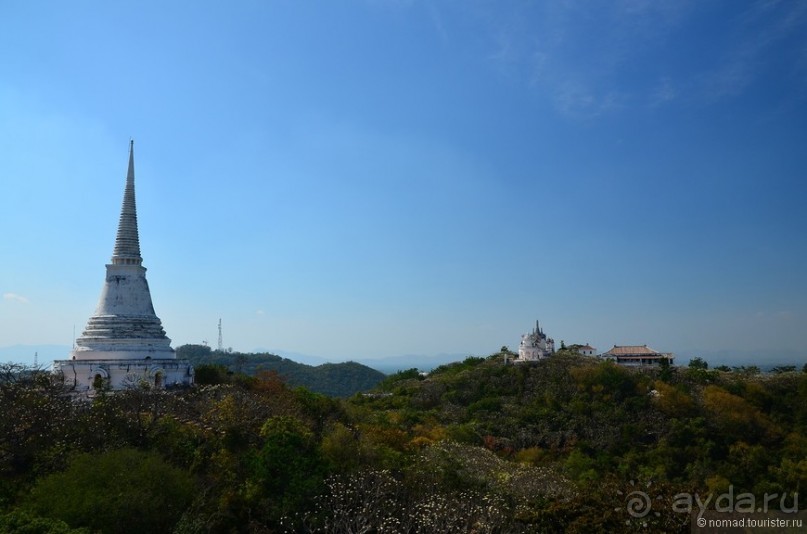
[374,178]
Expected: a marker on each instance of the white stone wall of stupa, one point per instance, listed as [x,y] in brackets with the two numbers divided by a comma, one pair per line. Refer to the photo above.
[88,375]
[123,349]
[125,292]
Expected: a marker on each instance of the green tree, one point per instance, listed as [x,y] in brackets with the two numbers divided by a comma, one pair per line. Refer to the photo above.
[779,369]
[194,352]
[210,374]
[34,422]
[735,418]
[21,522]
[289,468]
[698,363]
[120,491]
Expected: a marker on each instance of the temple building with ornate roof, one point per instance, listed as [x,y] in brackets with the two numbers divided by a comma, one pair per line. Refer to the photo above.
[535,346]
[637,355]
[124,343]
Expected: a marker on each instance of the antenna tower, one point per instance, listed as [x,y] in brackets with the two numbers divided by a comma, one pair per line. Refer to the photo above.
[221,343]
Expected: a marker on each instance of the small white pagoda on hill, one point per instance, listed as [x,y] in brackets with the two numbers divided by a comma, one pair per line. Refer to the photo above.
[535,346]
[124,344]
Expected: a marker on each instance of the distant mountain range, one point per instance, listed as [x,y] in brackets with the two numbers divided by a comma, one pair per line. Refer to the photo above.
[389,365]
[421,362]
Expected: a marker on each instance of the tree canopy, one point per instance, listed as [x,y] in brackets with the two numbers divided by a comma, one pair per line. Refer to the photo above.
[475,445]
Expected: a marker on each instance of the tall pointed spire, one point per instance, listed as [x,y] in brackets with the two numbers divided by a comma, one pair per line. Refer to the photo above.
[124,343]
[127,242]
[124,325]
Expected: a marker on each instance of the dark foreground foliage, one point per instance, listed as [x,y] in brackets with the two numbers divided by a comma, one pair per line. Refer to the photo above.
[565,445]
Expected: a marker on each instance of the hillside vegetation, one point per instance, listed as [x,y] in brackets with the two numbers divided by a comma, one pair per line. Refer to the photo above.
[332,379]
[565,445]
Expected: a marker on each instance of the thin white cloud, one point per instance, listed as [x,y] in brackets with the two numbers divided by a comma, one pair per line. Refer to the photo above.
[580,101]
[589,59]
[15,297]
[664,92]
[764,25]
[578,53]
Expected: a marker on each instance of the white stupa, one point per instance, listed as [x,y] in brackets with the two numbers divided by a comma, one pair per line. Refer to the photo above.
[124,344]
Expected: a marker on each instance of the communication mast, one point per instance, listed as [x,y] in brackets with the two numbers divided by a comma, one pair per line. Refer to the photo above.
[221,343]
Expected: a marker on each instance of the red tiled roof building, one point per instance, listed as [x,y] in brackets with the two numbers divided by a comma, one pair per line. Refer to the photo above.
[637,355]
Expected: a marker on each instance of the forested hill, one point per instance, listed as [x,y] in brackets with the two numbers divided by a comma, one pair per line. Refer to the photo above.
[332,379]
[570,444]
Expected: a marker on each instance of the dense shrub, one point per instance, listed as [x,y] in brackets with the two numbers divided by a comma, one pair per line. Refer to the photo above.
[121,491]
